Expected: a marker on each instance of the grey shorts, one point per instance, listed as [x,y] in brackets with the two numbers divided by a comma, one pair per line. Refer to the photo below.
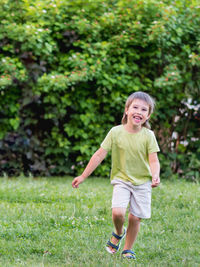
[137,196]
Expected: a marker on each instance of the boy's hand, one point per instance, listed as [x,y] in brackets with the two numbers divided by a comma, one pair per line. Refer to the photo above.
[155,181]
[78,180]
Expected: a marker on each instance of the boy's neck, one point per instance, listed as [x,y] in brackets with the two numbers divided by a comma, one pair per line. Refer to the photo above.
[132,128]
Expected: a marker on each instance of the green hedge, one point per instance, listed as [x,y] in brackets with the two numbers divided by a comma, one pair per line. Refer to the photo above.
[68,66]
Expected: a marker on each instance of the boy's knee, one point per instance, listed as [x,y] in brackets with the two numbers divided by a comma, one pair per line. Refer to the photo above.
[133,218]
[118,213]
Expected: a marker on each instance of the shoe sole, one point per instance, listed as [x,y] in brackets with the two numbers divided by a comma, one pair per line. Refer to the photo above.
[109,250]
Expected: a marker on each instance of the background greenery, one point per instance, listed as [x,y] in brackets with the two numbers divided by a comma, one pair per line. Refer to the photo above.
[67,67]
[44,222]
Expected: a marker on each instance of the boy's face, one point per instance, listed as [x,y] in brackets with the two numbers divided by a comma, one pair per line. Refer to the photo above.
[137,113]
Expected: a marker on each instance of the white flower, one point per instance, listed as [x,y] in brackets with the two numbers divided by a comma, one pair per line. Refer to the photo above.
[44,11]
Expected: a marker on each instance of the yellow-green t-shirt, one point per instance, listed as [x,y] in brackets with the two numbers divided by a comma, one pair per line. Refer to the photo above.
[130,153]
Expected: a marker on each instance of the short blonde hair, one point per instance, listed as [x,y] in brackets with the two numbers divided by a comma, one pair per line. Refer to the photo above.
[142,96]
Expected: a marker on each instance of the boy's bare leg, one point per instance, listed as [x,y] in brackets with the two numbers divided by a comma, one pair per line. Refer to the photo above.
[118,217]
[132,231]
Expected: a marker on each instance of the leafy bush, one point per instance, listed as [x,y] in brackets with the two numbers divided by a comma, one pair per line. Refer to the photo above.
[68,66]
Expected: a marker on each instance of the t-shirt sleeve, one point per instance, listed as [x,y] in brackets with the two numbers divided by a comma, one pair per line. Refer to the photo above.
[152,144]
[107,142]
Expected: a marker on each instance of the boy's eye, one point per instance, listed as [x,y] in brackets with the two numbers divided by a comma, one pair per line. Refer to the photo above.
[144,109]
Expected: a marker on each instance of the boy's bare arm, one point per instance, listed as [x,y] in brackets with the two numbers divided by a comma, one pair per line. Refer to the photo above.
[94,162]
[155,169]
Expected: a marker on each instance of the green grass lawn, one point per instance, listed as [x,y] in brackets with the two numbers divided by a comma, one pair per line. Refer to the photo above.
[44,222]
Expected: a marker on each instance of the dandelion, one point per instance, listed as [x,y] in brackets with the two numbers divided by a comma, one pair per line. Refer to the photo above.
[72,167]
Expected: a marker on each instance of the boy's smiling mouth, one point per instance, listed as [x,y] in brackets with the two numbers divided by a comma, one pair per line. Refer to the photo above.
[137,118]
